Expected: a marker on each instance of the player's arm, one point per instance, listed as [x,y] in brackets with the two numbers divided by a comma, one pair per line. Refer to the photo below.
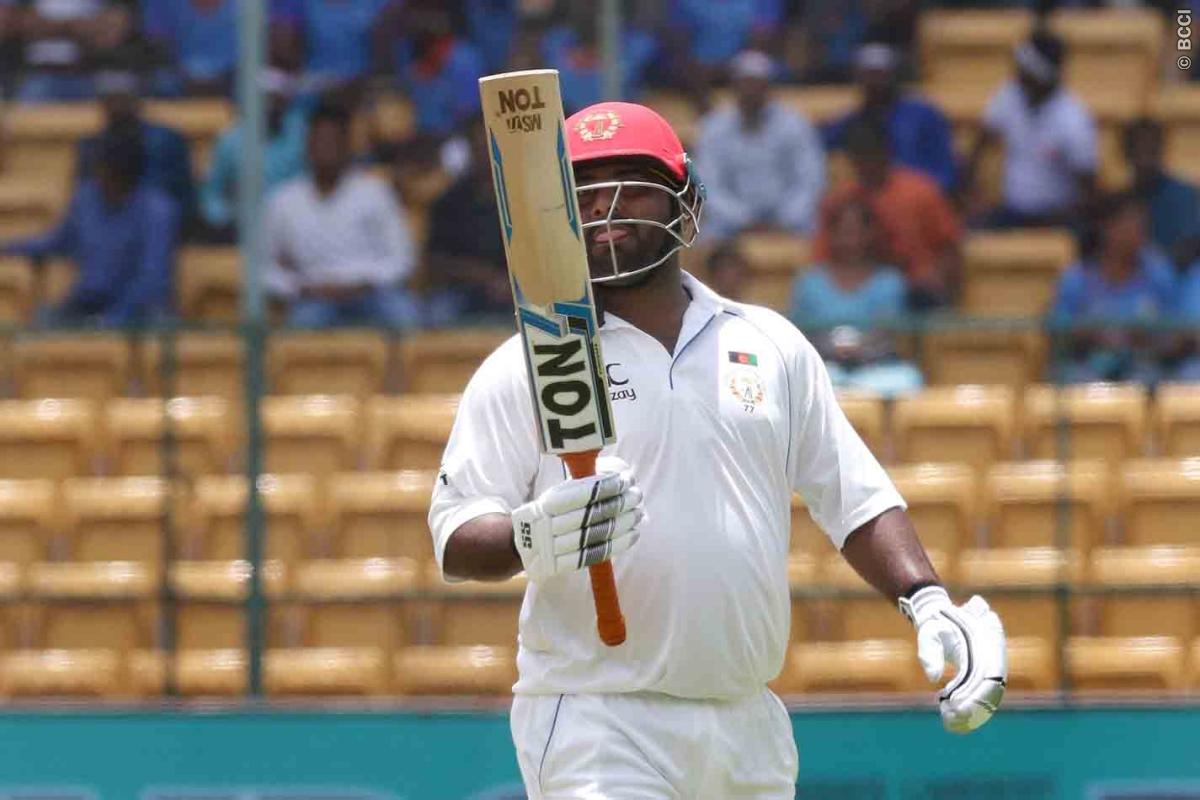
[853,500]
[482,549]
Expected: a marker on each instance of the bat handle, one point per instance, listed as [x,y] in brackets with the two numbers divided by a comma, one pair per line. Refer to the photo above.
[609,620]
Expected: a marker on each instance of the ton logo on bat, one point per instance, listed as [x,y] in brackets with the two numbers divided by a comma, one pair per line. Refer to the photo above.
[515,100]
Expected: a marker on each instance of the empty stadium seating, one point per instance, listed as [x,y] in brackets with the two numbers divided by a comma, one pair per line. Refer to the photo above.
[1178,107]
[1047,504]
[970,424]
[442,362]
[1098,420]
[119,519]
[16,288]
[942,501]
[774,260]
[379,515]
[1160,501]
[1177,419]
[409,431]
[47,438]
[319,434]
[209,283]
[983,356]
[216,529]
[194,364]
[328,362]
[865,412]
[94,367]
[970,47]
[28,521]
[1013,273]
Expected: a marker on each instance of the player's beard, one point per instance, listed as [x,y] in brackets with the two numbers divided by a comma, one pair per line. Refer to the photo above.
[643,245]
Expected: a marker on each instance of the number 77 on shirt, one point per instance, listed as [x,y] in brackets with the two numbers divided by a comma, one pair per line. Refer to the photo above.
[547,266]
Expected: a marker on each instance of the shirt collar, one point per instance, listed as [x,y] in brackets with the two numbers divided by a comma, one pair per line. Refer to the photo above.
[704,300]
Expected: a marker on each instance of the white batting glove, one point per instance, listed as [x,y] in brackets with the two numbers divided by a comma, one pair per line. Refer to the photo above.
[971,638]
[579,522]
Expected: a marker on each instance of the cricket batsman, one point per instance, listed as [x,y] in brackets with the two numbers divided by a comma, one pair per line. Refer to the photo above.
[722,410]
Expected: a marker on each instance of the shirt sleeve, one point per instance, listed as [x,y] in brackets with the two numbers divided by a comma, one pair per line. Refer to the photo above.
[1081,146]
[492,456]
[842,483]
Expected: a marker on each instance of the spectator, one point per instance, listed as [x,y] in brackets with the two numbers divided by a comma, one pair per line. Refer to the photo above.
[65,40]
[727,271]
[832,31]
[167,162]
[1049,140]
[844,298]
[333,40]
[337,244]
[199,38]
[464,260]
[1173,204]
[700,38]
[283,157]
[440,70]
[573,49]
[918,134]
[921,232]
[1121,282]
[1188,312]
[120,231]
[761,162]
[492,25]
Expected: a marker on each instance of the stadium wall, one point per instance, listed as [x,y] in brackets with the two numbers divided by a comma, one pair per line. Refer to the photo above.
[221,754]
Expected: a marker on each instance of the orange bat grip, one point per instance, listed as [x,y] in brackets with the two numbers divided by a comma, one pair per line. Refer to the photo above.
[609,620]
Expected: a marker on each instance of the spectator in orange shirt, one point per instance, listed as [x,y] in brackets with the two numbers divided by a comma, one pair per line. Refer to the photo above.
[921,232]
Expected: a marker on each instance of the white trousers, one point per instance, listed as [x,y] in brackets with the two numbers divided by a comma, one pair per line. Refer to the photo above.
[645,746]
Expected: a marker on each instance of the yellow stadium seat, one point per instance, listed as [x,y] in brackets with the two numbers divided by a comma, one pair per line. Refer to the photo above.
[476,612]
[380,515]
[217,530]
[16,289]
[109,519]
[1047,504]
[1177,419]
[870,665]
[199,364]
[199,429]
[316,433]
[1177,105]
[1020,585]
[328,362]
[774,260]
[1014,273]
[807,537]
[41,139]
[970,47]
[1160,501]
[47,438]
[203,673]
[970,424]
[941,502]
[820,104]
[353,607]
[865,412]
[409,431]
[469,669]
[983,356]
[90,366]
[324,671]
[1111,51]
[28,521]
[441,362]
[1104,421]
[86,617]
[210,597]
[28,207]
[209,283]
[1142,637]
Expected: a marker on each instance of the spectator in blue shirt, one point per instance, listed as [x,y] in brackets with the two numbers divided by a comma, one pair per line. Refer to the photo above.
[439,69]
[1174,204]
[336,41]
[843,301]
[200,39]
[492,26]
[717,30]
[1103,297]
[121,233]
[283,157]
[573,49]
[918,133]
[167,162]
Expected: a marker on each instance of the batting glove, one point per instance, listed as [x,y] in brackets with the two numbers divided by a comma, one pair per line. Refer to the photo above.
[579,522]
[971,638]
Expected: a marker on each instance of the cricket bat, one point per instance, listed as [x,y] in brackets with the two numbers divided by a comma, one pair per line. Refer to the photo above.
[552,293]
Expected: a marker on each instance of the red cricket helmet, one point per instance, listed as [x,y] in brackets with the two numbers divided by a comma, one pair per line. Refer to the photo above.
[615,130]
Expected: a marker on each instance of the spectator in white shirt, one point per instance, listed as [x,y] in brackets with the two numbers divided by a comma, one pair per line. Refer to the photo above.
[761,162]
[1049,140]
[338,248]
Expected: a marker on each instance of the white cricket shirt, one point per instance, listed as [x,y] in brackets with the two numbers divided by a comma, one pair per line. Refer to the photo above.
[718,435]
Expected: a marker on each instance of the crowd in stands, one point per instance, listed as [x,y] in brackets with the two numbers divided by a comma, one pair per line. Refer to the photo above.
[886,236]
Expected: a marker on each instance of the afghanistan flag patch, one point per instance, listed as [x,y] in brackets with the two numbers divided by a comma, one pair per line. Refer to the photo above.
[743,358]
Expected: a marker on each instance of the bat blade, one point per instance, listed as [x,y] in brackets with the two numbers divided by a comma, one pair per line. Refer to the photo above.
[547,262]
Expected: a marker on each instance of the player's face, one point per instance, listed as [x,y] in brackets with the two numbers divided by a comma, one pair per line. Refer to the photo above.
[634,245]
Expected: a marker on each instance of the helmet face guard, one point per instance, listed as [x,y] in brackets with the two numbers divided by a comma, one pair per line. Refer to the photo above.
[682,229]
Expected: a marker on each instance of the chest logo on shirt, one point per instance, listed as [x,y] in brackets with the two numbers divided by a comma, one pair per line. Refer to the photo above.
[598,126]
[615,379]
[747,388]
